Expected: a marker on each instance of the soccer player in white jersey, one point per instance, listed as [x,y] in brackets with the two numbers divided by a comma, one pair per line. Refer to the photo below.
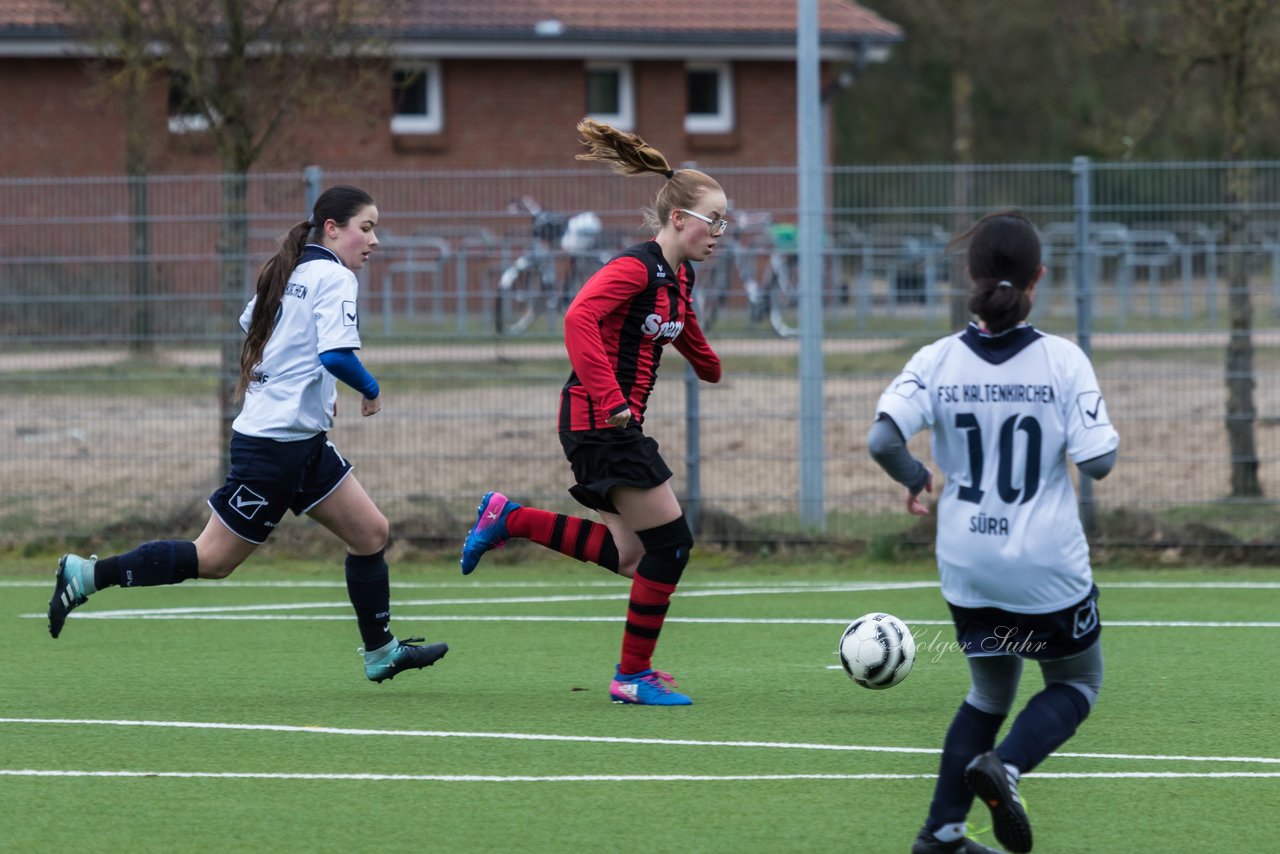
[302,329]
[1008,406]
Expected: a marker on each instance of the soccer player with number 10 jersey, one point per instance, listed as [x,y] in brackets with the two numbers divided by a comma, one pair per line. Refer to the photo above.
[1008,406]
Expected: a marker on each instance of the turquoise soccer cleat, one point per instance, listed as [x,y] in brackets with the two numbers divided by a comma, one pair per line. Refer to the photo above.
[71,589]
[399,656]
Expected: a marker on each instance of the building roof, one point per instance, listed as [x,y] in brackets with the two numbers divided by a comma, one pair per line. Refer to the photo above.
[588,28]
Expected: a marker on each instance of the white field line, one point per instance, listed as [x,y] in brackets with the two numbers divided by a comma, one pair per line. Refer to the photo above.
[273,611]
[588,739]
[218,614]
[774,585]
[616,778]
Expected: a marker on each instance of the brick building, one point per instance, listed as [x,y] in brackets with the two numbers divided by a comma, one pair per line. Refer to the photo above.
[469,84]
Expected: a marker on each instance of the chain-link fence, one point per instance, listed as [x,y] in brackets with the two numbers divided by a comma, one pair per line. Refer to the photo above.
[119,298]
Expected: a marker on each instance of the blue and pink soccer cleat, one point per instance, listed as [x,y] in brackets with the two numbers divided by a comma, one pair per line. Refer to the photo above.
[490,531]
[646,688]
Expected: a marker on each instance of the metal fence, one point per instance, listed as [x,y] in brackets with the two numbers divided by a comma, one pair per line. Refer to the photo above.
[115,304]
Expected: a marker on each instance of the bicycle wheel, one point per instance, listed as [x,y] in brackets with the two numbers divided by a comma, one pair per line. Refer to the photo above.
[782,298]
[708,296]
[516,302]
[582,266]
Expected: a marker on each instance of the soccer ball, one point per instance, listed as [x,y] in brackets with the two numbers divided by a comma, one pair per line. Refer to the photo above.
[877,650]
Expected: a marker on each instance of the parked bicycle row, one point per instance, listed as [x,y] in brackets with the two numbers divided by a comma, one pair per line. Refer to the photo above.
[531,274]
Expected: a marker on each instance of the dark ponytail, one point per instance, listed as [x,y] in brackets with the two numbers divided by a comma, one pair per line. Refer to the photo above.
[339,204]
[1004,262]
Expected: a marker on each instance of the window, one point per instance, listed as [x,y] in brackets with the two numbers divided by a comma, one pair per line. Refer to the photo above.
[610,96]
[184,115]
[419,105]
[710,98]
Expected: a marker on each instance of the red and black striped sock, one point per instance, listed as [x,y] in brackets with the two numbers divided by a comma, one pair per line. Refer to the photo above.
[574,536]
[645,612]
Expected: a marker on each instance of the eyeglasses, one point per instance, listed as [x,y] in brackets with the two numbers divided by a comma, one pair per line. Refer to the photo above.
[718,226]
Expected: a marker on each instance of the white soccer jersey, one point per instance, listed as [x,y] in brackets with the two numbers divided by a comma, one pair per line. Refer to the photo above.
[292,395]
[1006,412]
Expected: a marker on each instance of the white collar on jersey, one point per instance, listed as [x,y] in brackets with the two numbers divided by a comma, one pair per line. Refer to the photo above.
[314,251]
[988,334]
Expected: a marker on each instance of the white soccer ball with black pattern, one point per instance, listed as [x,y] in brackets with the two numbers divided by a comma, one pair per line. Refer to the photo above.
[877,651]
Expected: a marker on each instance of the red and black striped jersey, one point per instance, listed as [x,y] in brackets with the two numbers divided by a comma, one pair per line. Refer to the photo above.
[615,330]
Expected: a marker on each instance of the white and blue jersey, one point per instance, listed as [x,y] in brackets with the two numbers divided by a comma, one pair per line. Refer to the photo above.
[1006,412]
[292,395]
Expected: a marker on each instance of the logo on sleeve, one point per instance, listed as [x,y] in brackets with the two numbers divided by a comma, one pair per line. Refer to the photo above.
[349,316]
[246,502]
[1093,410]
[907,384]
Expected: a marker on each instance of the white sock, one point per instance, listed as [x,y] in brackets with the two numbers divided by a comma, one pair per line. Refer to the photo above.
[85,574]
[950,832]
[381,652]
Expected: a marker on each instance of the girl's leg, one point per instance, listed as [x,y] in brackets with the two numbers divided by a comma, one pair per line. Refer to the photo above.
[214,554]
[627,544]
[1048,720]
[1052,716]
[350,513]
[658,522]
[499,519]
[972,731]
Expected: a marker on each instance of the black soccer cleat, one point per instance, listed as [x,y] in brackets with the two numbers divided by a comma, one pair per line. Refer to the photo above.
[927,843]
[998,789]
[405,655]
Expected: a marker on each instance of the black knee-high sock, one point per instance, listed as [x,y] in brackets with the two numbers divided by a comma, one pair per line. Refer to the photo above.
[1050,718]
[972,731]
[149,565]
[369,586]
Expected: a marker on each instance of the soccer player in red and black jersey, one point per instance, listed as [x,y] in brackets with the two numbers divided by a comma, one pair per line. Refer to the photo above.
[615,332]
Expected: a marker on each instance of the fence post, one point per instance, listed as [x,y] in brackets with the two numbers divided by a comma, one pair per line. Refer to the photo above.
[692,451]
[313,177]
[1084,306]
[811,155]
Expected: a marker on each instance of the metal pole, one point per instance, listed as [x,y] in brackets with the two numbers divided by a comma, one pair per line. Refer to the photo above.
[810,143]
[692,451]
[1084,308]
[313,177]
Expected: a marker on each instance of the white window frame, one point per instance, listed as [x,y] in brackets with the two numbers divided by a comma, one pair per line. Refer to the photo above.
[188,123]
[722,121]
[184,123]
[425,122]
[625,118]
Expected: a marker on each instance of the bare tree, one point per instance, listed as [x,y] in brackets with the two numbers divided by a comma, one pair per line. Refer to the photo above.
[245,66]
[1236,43]
[964,48]
[127,63]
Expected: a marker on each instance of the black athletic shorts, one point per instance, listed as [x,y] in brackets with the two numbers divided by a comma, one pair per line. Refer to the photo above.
[603,459]
[269,477]
[1060,634]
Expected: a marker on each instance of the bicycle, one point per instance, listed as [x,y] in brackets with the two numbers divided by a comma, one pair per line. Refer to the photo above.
[531,286]
[760,256]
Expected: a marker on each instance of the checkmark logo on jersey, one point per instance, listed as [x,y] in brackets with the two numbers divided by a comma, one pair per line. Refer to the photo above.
[1093,411]
[246,502]
[907,384]
[349,315]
